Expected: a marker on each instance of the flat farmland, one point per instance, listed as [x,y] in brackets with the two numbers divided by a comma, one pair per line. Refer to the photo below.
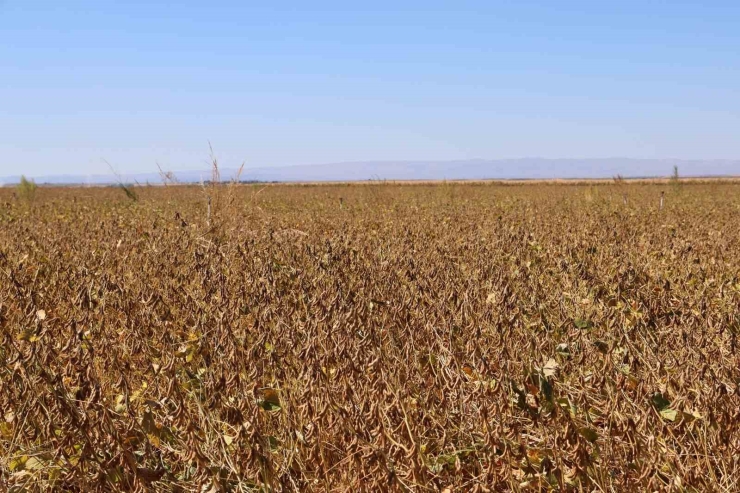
[384,337]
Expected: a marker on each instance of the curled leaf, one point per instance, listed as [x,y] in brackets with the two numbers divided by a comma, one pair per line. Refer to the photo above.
[589,434]
[550,368]
[659,401]
[270,401]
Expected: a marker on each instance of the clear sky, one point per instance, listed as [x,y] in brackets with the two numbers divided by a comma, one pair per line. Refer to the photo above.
[277,83]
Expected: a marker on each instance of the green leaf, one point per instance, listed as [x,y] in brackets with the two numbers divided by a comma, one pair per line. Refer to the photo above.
[28,335]
[6,430]
[562,349]
[34,464]
[114,475]
[602,346]
[550,368]
[589,434]
[546,388]
[521,400]
[270,401]
[568,406]
[441,461]
[18,464]
[583,324]
[659,401]
[148,424]
[120,403]
[268,406]
[273,442]
[669,414]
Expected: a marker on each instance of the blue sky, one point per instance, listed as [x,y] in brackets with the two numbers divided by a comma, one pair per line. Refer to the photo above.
[278,83]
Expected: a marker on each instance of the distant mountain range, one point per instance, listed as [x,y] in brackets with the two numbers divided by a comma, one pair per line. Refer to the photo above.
[477,169]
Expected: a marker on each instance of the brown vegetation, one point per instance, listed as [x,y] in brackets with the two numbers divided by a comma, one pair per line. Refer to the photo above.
[371,338]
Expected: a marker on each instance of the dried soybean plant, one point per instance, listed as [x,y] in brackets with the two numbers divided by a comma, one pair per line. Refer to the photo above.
[219,197]
[512,339]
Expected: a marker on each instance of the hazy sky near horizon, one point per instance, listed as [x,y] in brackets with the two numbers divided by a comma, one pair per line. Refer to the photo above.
[277,83]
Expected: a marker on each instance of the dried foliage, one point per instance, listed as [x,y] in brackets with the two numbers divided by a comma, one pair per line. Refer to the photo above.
[371,338]
[26,189]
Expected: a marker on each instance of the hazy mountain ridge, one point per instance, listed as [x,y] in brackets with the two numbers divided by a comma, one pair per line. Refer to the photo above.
[525,168]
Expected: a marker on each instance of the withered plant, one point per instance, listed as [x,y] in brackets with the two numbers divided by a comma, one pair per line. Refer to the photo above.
[416,338]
